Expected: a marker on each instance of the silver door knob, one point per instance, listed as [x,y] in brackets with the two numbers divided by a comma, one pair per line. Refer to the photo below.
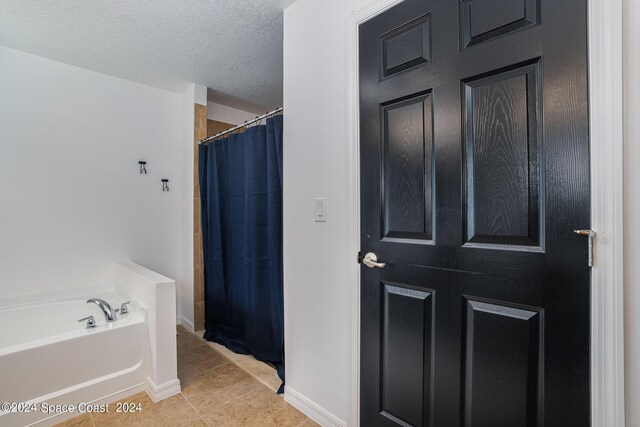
[371,261]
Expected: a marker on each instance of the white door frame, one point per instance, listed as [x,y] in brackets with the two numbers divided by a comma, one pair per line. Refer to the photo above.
[605,122]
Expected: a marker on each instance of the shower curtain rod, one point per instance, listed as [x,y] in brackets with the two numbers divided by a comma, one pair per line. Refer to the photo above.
[240,126]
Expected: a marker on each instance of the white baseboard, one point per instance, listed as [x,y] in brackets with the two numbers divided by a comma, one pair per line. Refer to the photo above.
[161,392]
[187,324]
[311,409]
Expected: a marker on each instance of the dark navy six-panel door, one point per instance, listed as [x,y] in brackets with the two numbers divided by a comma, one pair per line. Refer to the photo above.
[474,174]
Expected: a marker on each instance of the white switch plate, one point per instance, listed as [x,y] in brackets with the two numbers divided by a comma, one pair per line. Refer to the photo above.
[321,209]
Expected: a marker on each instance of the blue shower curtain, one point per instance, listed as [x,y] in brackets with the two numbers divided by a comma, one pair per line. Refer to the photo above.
[241,197]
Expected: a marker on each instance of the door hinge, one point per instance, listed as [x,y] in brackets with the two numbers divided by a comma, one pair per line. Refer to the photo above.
[359,257]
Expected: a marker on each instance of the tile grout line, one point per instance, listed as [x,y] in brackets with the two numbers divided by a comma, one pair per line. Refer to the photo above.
[241,396]
[215,367]
[194,408]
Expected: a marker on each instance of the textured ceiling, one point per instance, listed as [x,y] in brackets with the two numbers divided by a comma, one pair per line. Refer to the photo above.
[233,47]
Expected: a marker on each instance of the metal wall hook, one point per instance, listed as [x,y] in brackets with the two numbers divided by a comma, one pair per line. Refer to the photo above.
[143,167]
[165,184]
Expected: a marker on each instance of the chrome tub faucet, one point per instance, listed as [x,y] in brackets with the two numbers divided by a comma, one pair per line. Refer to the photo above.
[109,313]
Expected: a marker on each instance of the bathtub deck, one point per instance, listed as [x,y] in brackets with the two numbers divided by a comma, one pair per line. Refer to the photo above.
[219,388]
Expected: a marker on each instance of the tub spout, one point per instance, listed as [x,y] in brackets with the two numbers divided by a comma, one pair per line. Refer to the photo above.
[109,313]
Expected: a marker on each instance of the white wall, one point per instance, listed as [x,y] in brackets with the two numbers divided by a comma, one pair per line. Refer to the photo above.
[314,159]
[71,196]
[631,58]
[315,152]
[225,114]
[195,94]
[185,287]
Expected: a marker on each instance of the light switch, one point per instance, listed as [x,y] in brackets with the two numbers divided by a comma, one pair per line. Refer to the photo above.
[321,210]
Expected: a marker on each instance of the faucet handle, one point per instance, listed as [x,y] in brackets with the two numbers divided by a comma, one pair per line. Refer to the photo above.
[123,307]
[91,321]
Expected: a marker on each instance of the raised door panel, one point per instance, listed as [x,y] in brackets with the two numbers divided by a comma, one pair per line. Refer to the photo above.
[406,355]
[406,47]
[408,170]
[502,155]
[484,20]
[503,365]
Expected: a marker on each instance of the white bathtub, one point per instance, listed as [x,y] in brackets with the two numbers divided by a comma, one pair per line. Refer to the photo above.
[47,357]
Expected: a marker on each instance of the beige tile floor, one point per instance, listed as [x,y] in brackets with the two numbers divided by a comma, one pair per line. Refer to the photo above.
[219,388]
